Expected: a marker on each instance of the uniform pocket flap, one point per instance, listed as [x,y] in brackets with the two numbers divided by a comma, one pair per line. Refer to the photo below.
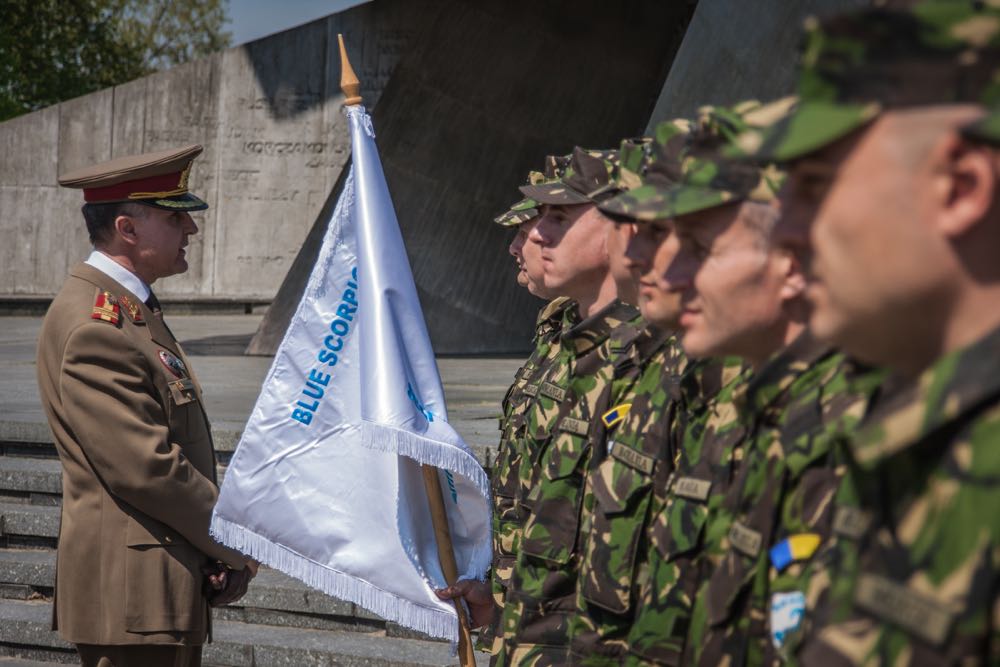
[561,457]
[682,530]
[149,532]
[615,486]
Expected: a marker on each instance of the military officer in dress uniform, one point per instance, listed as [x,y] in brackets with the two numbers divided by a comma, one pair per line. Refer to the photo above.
[136,568]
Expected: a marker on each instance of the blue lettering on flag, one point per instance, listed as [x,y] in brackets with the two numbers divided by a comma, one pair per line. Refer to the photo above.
[412,395]
[451,486]
[317,381]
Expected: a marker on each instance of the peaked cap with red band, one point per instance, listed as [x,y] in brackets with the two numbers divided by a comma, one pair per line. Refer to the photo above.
[154,179]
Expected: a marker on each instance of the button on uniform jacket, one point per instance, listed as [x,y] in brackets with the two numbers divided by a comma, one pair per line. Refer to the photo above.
[138,470]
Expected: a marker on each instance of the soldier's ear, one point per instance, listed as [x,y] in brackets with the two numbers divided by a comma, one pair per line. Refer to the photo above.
[126,229]
[967,184]
[793,285]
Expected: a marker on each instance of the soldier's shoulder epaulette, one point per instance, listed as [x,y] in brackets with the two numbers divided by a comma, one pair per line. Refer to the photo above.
[106,308]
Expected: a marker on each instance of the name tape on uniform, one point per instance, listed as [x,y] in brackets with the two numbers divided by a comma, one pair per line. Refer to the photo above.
[575,426]
[745,540]
[693,488]
[851,522]
[893,602]
[634,459]
[531,390]
[553,391]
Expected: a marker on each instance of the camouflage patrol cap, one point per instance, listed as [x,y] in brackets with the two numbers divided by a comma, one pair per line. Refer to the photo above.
[900,54]
[695,174]
[647,163]
[527,208]
[986,129]
[588,178]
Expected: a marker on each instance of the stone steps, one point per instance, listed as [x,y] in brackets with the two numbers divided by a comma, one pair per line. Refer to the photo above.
[272,592]
[25,634]
[477,424]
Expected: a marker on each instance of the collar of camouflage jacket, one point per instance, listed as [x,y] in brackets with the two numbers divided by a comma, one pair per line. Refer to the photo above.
[552,316]
[593,331]
[956,387]
[784,368]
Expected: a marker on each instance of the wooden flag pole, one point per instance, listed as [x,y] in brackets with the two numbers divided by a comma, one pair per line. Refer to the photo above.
[446,553]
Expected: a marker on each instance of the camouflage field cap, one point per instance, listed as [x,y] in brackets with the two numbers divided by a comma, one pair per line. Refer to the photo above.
[900,54]
[698,175]
[647,165]
[589,178]
[527,208]
[157,179]
[986,129]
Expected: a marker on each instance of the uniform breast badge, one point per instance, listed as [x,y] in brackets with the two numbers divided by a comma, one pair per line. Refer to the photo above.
[173,364]
[106,308]
[182,389]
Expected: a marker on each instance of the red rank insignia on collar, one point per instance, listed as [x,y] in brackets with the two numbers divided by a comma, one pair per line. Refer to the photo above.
[131,309]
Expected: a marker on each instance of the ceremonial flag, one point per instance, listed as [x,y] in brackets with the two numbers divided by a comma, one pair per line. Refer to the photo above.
[326,482]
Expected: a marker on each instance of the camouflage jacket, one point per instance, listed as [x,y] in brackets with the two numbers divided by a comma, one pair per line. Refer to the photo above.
[507,524]
[777,513]
[636,455]
[913,574]
[560,427]
[705,465]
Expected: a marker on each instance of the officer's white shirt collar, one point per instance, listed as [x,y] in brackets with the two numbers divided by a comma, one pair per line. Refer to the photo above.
[116,271]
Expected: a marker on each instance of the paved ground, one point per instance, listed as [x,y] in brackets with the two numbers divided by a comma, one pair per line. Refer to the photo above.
[473,387]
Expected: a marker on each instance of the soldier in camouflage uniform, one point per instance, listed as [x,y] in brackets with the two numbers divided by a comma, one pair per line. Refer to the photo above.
[742,298]
[904,229]
[559,425]
[633,452]
[507,523]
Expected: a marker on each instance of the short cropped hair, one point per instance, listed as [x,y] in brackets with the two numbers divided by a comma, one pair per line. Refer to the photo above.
[100,218]
[761,218]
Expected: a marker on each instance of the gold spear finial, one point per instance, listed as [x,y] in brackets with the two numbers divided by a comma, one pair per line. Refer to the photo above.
[348,79]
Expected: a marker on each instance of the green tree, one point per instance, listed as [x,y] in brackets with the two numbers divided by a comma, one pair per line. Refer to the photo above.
[54,50]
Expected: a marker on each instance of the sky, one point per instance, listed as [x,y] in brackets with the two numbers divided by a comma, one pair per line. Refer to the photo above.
[253,19]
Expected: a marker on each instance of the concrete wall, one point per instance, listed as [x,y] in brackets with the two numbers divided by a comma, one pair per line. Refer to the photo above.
[269,116]
[736,50]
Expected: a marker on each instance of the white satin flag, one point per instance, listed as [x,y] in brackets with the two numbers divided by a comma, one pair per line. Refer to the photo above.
[317,487]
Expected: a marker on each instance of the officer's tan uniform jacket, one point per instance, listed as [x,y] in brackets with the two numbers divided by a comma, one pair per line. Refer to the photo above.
[138,473]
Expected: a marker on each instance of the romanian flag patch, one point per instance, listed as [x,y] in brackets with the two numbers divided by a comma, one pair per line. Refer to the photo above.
[615,414]
[795,547]
[106,308]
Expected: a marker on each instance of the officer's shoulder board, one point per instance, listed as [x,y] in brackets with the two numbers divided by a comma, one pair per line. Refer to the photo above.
[106,307]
